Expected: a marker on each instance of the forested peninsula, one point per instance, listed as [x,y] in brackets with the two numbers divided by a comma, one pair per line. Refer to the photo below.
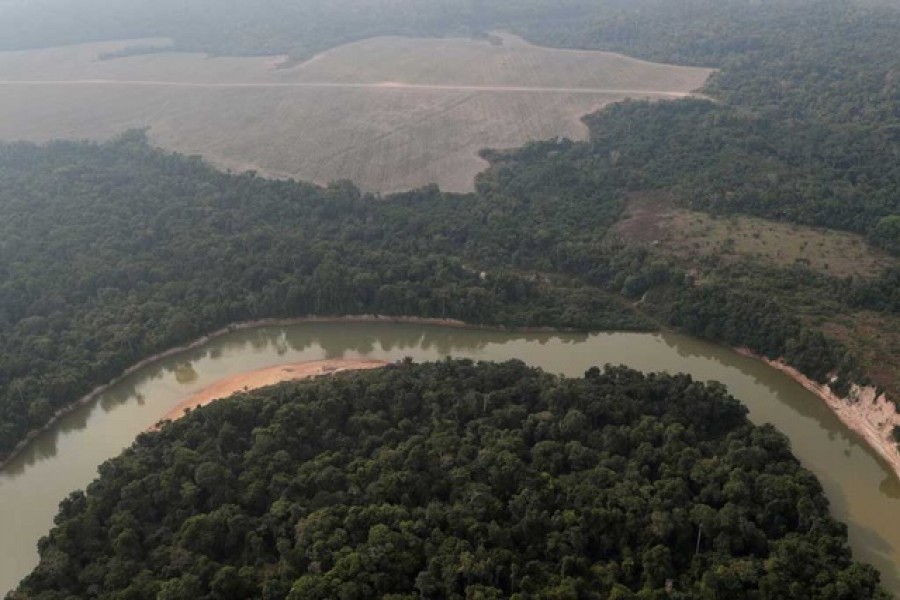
[456,480]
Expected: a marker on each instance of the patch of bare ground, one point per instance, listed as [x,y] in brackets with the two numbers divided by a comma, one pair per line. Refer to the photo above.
[388,113]
[653,218]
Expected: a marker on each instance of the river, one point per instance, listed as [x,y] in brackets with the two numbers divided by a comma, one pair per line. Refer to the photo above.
[863,492]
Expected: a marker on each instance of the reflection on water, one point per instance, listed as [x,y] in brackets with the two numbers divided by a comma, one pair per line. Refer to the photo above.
[185,373]
[862,491]
[763,376]
[890,486]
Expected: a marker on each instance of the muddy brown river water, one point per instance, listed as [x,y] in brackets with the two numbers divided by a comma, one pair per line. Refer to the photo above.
[863,492]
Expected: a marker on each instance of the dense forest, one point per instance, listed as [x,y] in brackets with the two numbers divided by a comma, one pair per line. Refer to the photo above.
[233,27]
[112,252]
[453,479]
[456,480]
[806,126]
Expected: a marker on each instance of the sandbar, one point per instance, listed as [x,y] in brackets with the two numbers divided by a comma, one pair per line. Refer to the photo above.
[243,382]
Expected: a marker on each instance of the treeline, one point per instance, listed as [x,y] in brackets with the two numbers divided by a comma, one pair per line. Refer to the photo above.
[716,159]
[113,252]
[456,480]
[806,127]
[721,161]
[826,60]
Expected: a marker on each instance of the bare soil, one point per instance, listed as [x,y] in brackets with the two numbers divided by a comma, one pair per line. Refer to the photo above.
[388,113]
[875,338]
[871,415]
[269,376]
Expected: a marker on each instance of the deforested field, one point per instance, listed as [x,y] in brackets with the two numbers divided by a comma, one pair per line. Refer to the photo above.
[388,113]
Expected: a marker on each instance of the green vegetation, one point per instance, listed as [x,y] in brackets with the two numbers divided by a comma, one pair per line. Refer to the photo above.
[111,253]
[806,127]
[456,480]
[826,60]
[722,161]
[342,122]
[114,252]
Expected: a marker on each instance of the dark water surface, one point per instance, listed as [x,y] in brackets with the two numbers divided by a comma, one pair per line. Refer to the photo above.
[862,490]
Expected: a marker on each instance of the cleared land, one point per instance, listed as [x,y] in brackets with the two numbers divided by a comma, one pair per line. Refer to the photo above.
[388,113]
[691,236]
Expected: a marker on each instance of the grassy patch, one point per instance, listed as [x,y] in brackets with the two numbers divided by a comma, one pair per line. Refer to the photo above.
[694,237]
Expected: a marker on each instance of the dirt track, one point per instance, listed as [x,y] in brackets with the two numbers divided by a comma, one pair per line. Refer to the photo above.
[333,85]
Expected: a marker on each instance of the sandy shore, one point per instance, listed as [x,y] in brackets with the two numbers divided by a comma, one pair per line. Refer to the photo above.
[243,382]
[870,415]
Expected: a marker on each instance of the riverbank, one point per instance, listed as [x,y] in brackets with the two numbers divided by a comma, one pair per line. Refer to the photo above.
[244,382]
[865,412]
[874,421]
[244,325]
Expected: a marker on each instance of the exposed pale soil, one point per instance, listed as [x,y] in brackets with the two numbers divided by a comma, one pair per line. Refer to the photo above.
[875,338]
[867,413]
[101,389]
[269,376]
[387,113]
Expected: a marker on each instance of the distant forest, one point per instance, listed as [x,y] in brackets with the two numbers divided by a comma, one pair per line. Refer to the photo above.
[455,480]
[297,28]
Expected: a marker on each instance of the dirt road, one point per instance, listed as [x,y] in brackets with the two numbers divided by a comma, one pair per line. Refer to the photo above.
[337,85]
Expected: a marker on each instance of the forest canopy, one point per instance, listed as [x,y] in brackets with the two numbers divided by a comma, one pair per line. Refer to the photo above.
[456,480]
[113,252]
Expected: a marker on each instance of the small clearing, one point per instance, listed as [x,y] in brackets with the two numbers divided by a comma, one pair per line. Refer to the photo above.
[691,235]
